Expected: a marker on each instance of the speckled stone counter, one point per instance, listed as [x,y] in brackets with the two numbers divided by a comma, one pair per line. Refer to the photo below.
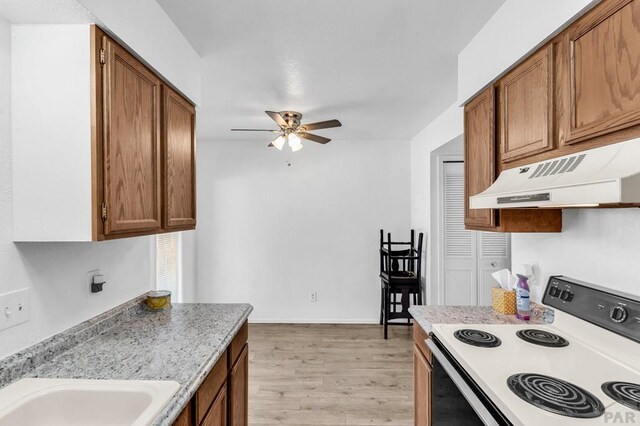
[181,344]
[428,315]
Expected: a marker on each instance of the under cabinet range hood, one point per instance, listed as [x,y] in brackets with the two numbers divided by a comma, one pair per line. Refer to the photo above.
[608,176]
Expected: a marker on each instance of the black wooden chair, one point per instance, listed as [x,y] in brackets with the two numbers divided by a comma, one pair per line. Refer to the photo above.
[400,272]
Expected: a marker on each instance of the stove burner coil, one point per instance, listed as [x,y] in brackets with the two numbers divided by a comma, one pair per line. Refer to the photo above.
[555,395]
[542,338]
[627,394]
[477,338]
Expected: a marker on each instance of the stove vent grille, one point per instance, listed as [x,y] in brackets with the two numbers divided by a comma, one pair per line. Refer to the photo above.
[556,167]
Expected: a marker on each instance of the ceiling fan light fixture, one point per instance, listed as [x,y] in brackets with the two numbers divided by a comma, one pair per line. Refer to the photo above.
[279,142]
[291,129]
[294,142]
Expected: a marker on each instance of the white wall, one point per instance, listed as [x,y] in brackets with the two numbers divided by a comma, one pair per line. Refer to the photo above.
[516,29]
[446,127]
[146,28]
[56,273]
[597,246]
[269,233]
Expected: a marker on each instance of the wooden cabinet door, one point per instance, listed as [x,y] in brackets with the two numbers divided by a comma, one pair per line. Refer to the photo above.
[421,388]
[479,155]
[526,107]
[603,80]
[179,150]
[239,390]
[217,414]
[131,143]
[185,418]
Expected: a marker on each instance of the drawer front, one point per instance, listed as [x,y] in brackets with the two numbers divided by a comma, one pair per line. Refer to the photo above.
[419,337]
[237,344]
[207,392]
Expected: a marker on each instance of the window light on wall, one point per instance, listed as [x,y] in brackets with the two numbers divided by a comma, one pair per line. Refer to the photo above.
[169,264]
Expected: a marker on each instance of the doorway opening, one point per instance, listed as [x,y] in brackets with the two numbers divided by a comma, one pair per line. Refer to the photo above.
[465,259]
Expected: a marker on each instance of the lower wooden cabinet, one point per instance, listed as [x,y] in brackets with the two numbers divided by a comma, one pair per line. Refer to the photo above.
[185,418]
[239,390]
[222,398]
[422,387]
[421,378]
[217,414]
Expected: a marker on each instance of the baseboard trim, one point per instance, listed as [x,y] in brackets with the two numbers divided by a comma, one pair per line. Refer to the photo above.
[312,321]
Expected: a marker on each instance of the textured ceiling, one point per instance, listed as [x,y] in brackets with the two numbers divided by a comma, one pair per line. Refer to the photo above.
[385,68]
[45,12]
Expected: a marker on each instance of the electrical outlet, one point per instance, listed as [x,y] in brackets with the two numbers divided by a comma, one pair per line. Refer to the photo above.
[313,296]
[15,308]
[89,280]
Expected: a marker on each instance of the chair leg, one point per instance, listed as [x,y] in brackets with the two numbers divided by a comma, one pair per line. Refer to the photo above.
[381,303]
[406,299]
[386,311]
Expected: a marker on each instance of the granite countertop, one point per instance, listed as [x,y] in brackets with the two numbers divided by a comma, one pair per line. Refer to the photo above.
[428,315]
[181,344]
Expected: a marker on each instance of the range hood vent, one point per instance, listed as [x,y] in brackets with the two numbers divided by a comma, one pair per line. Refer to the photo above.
[554,167]
[605,176]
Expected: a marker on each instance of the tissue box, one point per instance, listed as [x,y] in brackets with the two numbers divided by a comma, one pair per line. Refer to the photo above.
[503,301]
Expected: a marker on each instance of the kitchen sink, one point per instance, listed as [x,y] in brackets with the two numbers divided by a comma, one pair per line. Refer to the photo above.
[72,402]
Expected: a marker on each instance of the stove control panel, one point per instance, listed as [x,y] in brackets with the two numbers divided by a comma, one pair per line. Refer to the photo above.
[613,311]
[618,314]
[562,292]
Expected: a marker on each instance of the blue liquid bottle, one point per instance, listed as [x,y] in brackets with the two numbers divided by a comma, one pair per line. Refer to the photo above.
[522,297]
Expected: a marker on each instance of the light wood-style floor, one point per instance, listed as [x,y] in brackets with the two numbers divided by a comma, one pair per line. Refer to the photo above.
[318,374]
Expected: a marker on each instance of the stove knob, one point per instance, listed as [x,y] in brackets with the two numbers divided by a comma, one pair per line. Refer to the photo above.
[566,295]
[618,314]
[554,291]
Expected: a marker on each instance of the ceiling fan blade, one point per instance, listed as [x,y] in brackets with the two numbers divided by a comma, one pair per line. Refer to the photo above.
[322,125]
[277,118]
[255,130]
[314,138]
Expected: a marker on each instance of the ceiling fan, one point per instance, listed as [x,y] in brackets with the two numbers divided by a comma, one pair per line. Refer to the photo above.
[291,130]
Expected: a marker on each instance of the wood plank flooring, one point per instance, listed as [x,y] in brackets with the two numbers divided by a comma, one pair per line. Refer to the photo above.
[330,374]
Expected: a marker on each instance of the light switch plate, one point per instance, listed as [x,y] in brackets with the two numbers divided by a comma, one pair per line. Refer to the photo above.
[15,308]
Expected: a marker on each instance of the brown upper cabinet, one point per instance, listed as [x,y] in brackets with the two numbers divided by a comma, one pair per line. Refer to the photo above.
[602,80]
[479,152]
[579,91]
[148,148]
[526,107]
[179,147]
[130,143]
[481,159]
[104,148]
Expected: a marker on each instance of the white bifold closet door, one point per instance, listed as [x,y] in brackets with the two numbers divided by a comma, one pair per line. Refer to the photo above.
[468,257]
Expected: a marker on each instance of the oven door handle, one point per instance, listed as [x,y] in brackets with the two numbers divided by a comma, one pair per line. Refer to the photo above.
[464,388]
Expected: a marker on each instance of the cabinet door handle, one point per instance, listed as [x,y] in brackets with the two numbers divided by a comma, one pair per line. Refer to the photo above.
[494,264]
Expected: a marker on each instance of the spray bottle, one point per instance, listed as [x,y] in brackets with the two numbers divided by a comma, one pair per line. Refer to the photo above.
[522,297]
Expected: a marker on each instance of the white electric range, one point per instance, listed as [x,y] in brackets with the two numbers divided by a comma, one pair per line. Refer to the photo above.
[583,369]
